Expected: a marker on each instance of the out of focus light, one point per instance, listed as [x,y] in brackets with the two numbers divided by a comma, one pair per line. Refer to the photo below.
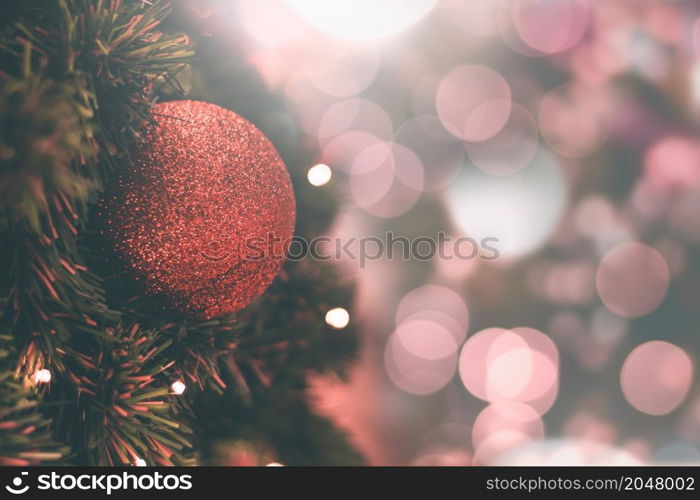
[387,179]
[632,279]
[504,428]
[362,19]
[499,443]
[608,328]
[342,150]
[594,215]
[473,102]
[443,458]
[482,19]
[550,26]
[178,387]
[319,175]
[42,376]
[656,377]
[354,114]
[566,452]
[437,304]
[341,71]
[420,357]
[506,416]
[425,339]
[520,365]
[672,162]
[272,24]
[140,462]
[511,148]
[451,264]
[274,464]
[519,210]
[338,318]
[575,119]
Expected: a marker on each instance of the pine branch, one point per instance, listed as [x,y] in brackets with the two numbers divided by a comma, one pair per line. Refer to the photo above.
[117,408]
[25,434]
[79,99]
[76,78]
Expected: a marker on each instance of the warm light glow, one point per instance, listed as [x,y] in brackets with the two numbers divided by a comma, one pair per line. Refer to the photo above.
[520,210]
[274,464]
[42,376]
[178,387]
[140,462]
[319,175]
[362,19]
[338,318]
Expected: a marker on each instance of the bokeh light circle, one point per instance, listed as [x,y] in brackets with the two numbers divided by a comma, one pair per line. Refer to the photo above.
[632,279]
[386,179]
[511,148]
[438,304]
[473,102]
[506,416]
[343,149]
[519,210]
[656,377]
[414,371]
[550,26]
[673,162]
[520,365]
[362,20]
[354,114]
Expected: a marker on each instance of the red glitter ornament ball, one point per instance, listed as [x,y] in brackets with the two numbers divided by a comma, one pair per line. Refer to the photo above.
[203,214]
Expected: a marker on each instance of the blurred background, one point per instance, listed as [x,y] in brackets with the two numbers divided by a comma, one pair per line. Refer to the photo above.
[565,129]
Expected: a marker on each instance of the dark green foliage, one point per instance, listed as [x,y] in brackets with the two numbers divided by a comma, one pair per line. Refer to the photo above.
[25,434]
[77,79]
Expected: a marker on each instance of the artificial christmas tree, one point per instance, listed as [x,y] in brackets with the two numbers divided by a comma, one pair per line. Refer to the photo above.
[94,369]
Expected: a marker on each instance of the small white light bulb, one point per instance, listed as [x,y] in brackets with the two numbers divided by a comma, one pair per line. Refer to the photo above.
[42,376]
[178,387]
[319,175]
[338,318]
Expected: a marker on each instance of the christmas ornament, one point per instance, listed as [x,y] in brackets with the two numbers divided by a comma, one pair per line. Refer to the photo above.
[204,213]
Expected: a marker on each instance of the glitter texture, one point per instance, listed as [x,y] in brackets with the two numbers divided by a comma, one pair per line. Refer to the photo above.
[203,214]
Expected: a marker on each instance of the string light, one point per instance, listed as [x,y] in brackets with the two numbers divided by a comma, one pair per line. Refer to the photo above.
[319,175]
[140,462]
[42,376]
[178,387]
[338,318]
